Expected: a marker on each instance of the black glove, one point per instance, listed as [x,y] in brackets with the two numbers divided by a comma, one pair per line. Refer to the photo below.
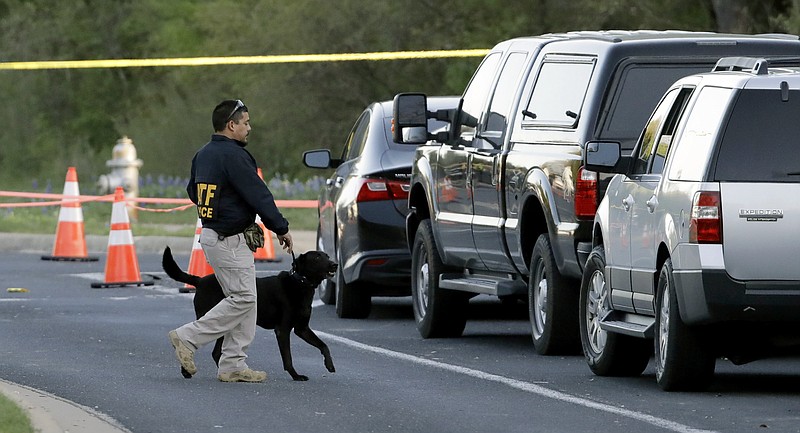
[254,237]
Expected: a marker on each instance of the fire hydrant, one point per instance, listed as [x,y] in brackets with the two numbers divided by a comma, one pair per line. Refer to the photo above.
[124,172]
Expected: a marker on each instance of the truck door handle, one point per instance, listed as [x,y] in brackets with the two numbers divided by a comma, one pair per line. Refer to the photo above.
[652,204]
[627,202]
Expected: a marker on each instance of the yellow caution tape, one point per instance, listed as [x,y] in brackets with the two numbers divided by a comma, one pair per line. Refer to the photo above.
[239,60]
[16,290]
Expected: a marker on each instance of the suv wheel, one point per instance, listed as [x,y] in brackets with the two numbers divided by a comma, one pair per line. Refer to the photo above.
[352,301]
[438,312]
[552,299]
[607,353]
[684,361]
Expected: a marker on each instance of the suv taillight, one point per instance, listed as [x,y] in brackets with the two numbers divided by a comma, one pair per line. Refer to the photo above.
[381,189]
[586,194]
[705,226]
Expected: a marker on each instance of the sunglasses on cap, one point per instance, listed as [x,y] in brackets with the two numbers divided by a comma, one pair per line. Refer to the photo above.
[239,105]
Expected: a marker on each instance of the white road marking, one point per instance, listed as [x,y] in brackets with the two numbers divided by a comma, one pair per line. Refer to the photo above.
[517,384]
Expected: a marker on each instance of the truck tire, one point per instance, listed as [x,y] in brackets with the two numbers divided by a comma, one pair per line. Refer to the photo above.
[552,304]
[352,301]
[438,312]
[607,353]
[684,360]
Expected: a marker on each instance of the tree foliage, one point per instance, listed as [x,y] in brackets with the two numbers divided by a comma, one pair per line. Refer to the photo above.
[57,118]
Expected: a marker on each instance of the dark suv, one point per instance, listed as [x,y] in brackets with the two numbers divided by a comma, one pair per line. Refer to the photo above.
[693,242]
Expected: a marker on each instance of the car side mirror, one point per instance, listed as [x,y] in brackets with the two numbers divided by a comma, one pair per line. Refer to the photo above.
[317,158]
[410,118]
[601,156]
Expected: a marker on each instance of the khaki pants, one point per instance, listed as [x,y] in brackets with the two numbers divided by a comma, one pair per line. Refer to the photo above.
[235,316]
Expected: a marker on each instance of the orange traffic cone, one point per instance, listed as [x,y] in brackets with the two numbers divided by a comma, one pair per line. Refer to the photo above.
[70,244]
[122,266]
[267,252]
[198,265]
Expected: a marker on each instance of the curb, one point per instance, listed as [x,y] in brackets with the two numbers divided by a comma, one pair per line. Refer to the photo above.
[52,414]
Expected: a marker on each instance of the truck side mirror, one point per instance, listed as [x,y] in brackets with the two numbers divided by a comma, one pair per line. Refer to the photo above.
[601,156]
[410,121]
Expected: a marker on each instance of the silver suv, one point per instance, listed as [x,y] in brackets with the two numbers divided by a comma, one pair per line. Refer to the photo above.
[696,245]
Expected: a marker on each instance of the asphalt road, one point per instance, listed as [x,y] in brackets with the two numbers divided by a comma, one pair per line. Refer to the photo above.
[107,349]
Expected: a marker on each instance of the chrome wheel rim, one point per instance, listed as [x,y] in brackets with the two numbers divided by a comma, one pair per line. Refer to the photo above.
[663,330]
[322,288]
[596,309]
[422,284]
[539,300]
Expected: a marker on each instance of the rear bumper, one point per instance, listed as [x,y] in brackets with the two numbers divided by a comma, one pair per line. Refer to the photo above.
[385,272]
[373,248]
[707,294]
[712,296]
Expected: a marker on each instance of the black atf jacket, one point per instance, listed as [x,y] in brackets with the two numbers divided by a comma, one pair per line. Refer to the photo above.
[225,186]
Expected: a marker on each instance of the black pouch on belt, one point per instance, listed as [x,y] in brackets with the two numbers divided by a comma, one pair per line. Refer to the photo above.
[254,237]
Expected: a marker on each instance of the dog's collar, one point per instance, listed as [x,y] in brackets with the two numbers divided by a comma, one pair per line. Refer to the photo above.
[302,279]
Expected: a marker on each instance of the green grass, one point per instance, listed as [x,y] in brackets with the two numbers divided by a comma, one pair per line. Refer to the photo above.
[97,218]
[12,418]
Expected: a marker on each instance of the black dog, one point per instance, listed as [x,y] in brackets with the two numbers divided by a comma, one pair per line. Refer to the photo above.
[284,302]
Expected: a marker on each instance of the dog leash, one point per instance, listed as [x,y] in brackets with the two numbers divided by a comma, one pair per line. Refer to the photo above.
[301,278]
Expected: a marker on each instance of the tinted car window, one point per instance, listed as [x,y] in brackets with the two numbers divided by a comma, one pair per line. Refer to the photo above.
[651,133]
[504,94]
[475,97]
[641,86]
[668,130]
[690,160]
[357,138]
[559,92]
[761,142]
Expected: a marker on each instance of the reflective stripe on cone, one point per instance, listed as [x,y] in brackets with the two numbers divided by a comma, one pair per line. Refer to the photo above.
[70,242]
[122,266]
[198,265]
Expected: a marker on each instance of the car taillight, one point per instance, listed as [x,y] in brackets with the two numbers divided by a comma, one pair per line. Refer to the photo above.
[586,194]
[380,189]
[705,226]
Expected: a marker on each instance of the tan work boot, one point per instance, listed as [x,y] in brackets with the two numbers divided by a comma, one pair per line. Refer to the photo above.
[246,375]
[184,354]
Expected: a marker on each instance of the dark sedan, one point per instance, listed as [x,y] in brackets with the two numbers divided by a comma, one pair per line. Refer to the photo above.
[362,211]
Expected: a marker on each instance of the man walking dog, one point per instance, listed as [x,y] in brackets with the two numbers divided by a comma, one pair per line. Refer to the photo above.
[225,186]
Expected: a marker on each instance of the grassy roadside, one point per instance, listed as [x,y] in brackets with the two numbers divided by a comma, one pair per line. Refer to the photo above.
[12,418]
[97,218]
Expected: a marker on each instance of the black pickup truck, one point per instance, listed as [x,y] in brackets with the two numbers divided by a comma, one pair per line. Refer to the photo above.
[501,204]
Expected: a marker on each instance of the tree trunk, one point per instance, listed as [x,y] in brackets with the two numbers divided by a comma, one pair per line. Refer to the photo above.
[732,16]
